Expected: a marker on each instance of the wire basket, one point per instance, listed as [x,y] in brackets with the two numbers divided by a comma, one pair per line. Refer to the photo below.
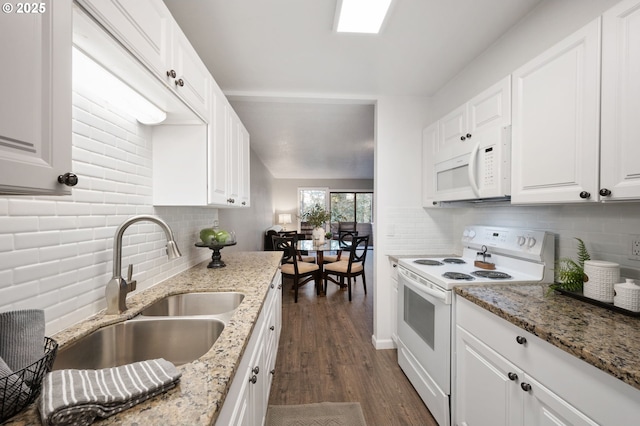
[21,388]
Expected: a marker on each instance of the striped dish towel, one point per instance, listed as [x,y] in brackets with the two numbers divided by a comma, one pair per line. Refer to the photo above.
[79,396]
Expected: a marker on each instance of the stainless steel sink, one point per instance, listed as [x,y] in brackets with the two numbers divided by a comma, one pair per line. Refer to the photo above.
[179,340]
[195,304]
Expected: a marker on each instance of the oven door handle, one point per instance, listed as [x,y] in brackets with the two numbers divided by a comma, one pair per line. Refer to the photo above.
[442,295]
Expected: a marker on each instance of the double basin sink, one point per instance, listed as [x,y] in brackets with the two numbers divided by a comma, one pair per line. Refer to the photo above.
[179,328]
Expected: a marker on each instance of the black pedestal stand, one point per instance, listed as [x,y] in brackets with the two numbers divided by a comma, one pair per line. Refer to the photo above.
[216,257]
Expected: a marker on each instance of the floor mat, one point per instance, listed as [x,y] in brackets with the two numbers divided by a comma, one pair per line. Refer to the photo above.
[320,414]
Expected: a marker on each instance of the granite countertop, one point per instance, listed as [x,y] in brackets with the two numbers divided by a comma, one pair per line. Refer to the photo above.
[205,382]
[605,339]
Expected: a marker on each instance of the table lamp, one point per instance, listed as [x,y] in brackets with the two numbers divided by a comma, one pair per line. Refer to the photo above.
[284,218]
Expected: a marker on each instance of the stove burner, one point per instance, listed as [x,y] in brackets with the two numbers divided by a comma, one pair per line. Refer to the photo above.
[457,276]
[494,275]
[429,262]
[456,260]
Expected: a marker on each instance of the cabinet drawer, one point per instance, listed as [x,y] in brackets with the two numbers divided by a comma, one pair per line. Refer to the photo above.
[600,396]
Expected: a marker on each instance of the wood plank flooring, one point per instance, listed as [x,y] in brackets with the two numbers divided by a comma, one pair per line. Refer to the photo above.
[326,354]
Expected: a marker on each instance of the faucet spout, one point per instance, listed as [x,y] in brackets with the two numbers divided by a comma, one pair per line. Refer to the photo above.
[118,287]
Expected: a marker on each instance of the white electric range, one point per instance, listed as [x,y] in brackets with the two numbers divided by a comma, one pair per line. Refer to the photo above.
[425,295]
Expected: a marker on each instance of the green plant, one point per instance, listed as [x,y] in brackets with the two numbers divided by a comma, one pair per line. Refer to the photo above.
[317,216]
[569,273]
[328,235]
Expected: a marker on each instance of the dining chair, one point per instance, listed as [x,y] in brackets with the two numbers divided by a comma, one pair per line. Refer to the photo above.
[302,256]
[343,237]
[300,272]
[337,271]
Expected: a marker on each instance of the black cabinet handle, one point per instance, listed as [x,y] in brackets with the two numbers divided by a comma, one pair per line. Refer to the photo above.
[521,340]
[180,82]
[68,179]
[468,135]
[171,73]
[256,370]
[253,379]
[463,138]
[525,387]
[512,376]
[584,195]
[605,192]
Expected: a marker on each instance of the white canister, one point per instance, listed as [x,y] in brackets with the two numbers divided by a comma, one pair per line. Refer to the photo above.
[627,295]
[600,276]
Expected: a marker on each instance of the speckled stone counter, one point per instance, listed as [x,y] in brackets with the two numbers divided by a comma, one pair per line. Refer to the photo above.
[605,339]
[204,384]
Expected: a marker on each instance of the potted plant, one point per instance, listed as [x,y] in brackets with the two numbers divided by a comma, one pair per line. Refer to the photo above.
[317,216]
[569,273]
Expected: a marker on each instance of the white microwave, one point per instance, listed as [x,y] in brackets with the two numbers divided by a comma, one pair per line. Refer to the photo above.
[477,168]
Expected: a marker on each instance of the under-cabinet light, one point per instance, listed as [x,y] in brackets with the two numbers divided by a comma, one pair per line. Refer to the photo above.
[88,75]
[361,16]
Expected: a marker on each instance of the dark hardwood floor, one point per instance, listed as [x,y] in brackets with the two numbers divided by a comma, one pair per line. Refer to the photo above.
[326,355]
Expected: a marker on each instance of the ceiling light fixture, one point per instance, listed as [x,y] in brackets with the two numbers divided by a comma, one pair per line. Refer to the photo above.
[361,16]
[89,76]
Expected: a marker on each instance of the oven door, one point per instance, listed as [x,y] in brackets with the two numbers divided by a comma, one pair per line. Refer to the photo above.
[424,340]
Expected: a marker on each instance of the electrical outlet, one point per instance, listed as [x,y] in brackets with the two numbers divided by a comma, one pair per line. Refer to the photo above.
[634,247]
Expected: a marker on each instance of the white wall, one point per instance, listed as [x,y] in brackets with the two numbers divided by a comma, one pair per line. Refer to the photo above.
[402,226]
[56,252]
[249,223]
[605,228]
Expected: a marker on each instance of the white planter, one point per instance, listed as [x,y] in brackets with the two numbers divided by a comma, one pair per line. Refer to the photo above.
[318,235]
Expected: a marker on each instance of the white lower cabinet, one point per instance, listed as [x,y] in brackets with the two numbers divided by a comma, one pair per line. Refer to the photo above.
[504,375]
[493,391]
[394,300]
[248,397]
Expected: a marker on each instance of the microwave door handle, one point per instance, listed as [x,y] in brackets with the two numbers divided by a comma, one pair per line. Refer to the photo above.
[472,169]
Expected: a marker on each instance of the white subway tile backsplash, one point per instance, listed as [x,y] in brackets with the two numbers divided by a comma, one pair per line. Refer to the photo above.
[56,252]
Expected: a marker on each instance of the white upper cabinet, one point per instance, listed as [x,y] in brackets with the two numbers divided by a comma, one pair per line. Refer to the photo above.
[429,148]
[620,137]
[147,29]
[490,108]
[219,148]
[35,108]
[556,115]
[144,27]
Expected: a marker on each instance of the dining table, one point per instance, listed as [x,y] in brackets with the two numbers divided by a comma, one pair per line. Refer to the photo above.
[320,248]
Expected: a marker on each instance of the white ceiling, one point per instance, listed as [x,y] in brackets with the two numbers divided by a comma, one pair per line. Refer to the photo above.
[288,74]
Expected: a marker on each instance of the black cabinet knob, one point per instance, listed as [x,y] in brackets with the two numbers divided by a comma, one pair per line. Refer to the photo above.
[463,138]
[521,340]
[584,195]
[253,379]
[605,192]
[68,179]
[525,387]
[180,82]
[468,135]
[171,73]
[256,370]
[512,376]
[272,328]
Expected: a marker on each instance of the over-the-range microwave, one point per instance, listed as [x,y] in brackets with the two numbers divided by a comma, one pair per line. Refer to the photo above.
[477,168]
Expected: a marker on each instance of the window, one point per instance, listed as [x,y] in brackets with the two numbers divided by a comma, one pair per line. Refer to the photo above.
[309,197]
[352,207]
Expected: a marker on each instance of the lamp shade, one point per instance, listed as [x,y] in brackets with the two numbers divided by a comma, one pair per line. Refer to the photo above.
[284,218]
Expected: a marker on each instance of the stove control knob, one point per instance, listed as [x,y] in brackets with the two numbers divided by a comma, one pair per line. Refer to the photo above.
[472,233]
[465,233]
[521,240]
[531,242]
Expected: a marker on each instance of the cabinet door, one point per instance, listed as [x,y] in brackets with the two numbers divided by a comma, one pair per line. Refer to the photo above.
[35,109]
[555,122]
[245,186]
[452,128]
[142,26]
[235,158]
[620,145]
[544,408]
[192,79]
[429,148]
[219,128]
[491,108]
[487,385]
